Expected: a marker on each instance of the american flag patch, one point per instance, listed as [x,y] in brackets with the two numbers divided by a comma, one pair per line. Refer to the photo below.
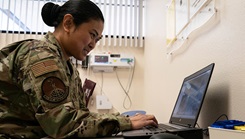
[44,67]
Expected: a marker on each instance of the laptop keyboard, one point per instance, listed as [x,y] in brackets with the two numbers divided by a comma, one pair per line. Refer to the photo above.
[160,128]
[166,127]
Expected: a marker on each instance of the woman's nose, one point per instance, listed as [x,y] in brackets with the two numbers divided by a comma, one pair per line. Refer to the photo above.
[92,44]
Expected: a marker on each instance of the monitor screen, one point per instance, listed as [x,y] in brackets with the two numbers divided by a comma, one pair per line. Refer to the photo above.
[101,59]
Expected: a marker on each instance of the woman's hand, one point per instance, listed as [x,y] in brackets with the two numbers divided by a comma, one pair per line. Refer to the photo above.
[140,120]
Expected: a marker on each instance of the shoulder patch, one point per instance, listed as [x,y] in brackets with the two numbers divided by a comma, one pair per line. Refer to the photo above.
[54,90]
[41,68]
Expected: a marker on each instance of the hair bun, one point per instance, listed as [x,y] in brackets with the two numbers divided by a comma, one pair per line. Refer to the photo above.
[50,13]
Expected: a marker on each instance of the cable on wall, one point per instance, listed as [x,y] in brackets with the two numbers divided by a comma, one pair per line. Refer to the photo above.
[127,89]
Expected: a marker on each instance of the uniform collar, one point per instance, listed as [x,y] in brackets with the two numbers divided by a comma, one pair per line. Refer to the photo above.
[49,37]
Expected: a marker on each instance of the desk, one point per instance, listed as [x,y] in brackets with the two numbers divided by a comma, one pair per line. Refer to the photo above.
[121,137]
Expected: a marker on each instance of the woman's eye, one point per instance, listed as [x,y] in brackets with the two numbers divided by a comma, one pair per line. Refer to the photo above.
[92,35]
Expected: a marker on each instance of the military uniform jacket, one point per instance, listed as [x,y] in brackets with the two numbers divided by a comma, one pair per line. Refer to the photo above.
[41,95]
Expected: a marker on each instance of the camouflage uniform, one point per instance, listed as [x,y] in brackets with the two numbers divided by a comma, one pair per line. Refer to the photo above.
[41,95]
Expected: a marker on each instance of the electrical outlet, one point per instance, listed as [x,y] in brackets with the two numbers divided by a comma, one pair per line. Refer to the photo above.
[102,102]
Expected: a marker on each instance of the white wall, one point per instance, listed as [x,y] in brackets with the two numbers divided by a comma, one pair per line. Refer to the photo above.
[221,42]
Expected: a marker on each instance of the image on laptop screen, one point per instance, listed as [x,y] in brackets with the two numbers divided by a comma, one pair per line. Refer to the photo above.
[191,96]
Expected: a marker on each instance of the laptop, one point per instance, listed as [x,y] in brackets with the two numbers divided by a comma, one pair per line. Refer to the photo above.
[187,107]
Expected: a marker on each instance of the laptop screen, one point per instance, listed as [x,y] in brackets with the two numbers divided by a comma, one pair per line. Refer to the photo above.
[191,96]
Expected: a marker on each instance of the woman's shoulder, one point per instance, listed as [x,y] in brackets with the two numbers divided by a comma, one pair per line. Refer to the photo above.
[33,44]
[38,46]
[33,51]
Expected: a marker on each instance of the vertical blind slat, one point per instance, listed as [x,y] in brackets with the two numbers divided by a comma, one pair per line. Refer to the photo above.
[132,22]
[110,27]
[38,9]
[8,14]
[25,22]
[31,11]
[1,14]
[104,9]
[17,10]
[14,18]
[115,23]
[135,22]
[120,22]
[125,22]
[141,14]
[98,2]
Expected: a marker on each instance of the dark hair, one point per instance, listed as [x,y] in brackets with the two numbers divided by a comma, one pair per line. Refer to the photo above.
[81,10]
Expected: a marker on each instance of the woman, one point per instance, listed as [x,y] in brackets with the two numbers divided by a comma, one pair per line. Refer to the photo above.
[41,91]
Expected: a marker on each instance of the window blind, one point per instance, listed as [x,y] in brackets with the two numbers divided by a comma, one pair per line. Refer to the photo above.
[124,21]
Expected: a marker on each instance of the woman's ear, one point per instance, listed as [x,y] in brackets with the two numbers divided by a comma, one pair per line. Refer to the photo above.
[68,22]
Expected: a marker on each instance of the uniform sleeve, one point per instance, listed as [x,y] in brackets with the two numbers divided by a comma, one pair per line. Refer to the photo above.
[55,100]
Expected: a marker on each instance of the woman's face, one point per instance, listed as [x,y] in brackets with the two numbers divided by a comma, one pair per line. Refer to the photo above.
[80,40]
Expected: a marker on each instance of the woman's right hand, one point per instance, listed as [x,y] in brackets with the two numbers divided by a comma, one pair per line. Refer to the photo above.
[140,120]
